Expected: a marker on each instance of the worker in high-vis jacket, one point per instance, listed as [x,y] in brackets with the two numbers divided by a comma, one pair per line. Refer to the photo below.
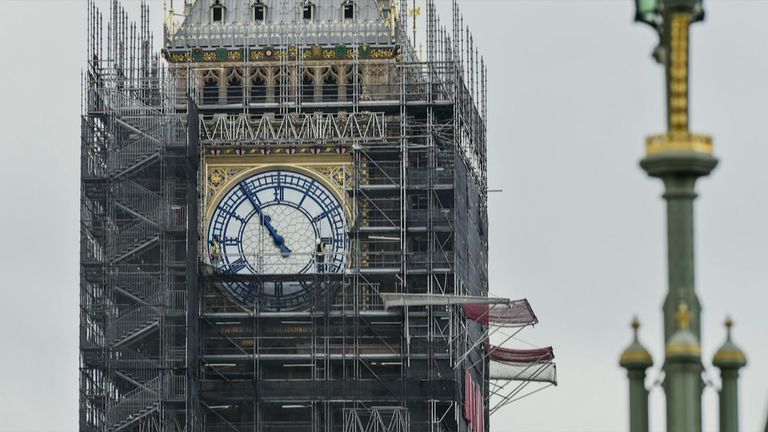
[320,256]
[215,250]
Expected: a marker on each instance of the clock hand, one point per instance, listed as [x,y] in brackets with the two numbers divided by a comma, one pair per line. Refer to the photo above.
[278,239]
[266,221]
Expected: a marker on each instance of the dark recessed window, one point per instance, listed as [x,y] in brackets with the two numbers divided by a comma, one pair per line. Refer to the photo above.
[234,91]
[330,88]
[308,12]
[308,88]
[210,91]
[258,90]
[349,11]
[217,12]
[259,12]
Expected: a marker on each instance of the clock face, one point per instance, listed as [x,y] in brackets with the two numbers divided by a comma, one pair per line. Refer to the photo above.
[277,223]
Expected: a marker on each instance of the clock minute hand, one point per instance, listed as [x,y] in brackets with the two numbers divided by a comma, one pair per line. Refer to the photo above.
[266,221]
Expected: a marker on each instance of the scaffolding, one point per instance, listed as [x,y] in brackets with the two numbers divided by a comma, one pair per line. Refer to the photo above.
[133,232]
[165,344]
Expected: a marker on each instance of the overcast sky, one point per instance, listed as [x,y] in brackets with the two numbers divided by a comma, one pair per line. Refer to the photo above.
[578,229]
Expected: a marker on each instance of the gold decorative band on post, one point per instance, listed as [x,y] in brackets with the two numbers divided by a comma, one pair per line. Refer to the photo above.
[675,349]
[635,356]
[677,142]
[730,356]
[678,74]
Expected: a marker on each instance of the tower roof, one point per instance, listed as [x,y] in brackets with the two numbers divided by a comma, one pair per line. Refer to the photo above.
[283,22]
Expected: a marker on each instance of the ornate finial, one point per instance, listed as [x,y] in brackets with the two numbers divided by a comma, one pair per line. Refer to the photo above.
[683,316]
[729,356]
[636,356]
[683,346]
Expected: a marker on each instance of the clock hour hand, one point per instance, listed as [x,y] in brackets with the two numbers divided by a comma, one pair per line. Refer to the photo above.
[278,239]
[267,222]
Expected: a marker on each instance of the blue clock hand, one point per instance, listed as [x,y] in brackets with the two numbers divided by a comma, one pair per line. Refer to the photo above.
[279,240]
[266,221]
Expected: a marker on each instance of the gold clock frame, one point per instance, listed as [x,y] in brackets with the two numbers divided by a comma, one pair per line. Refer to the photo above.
[221,173]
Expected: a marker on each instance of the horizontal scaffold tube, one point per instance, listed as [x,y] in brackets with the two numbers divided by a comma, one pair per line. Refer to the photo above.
[223,358]
[401,300]
[246,315]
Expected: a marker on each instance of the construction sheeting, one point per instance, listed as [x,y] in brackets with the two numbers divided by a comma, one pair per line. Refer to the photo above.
[545,372]
[520,355]
[517,313]
[401,300]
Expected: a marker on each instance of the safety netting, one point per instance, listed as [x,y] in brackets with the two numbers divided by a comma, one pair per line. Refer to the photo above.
[544,371]
[517,313]
[508,381]
[520,355]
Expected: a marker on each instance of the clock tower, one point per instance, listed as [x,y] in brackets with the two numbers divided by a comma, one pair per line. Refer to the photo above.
[332,170]
[252,196]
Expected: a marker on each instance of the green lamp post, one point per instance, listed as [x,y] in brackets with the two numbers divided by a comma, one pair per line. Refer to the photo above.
[678,158]
[729,359]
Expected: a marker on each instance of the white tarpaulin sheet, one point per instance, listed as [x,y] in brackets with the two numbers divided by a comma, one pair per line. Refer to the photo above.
[534,372]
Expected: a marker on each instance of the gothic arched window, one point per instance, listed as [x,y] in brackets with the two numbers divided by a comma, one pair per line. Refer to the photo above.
[330,87]
[308,86]
[258,89]
[234,88]
[210,90]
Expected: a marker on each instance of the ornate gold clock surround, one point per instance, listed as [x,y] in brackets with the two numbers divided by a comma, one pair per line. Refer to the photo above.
[221,173]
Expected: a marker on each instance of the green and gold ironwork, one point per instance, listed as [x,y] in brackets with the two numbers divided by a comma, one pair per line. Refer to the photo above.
[316,52]
[678,157]
[636,360]
[729,359]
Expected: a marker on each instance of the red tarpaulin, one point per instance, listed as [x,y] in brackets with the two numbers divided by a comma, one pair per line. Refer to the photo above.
[467,395]
[474,403]
[515,314]
[520,355]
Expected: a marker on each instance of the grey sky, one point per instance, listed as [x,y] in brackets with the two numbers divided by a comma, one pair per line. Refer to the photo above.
[579,228]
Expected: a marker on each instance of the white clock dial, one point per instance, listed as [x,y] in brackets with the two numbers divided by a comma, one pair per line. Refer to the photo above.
[277,223]
[265,257]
